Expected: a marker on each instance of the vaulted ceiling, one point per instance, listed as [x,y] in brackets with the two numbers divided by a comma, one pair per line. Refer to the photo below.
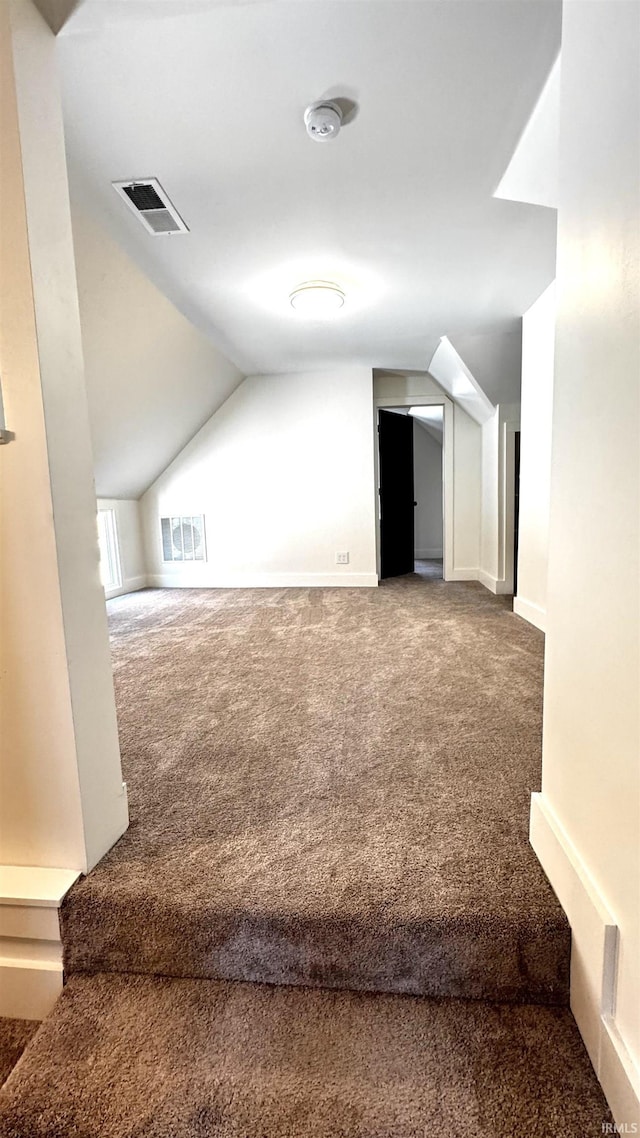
[209,96]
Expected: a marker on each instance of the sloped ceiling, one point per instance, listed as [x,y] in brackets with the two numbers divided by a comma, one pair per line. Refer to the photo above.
[532,173]
[399,209]
[495,359]
[152,379]
[57,13]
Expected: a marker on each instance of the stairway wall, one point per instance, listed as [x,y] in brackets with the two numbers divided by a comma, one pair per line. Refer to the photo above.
[590,774]
[63,803]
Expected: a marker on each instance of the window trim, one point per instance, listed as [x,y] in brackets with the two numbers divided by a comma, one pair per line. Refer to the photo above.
[109,546]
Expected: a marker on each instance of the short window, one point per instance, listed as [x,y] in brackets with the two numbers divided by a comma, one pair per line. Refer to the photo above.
[110,572]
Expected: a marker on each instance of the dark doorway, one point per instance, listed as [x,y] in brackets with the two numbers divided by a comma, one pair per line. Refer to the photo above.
[516,510]
[395,441]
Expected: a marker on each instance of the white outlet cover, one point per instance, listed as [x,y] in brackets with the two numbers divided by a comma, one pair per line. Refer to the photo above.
[342,558]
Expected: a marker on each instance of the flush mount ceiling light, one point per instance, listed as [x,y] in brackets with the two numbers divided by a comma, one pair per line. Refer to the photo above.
[317,298]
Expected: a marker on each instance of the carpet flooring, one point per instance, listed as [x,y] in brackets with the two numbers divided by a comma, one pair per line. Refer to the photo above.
[144,1057]
[327,787]
[14,1037]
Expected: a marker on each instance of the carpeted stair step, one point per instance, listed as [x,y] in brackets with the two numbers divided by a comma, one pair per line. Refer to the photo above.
[506,956]
[14,1036]
[149,1057]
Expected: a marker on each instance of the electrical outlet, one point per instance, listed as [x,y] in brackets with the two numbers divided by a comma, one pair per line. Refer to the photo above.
[342,558]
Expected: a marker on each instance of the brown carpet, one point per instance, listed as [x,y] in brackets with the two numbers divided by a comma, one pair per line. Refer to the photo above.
[14,1036]
[143,1057]
[327,787]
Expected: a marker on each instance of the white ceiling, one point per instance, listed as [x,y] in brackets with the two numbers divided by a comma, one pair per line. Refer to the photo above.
[459,382]
[152,380]
[399,210]
[532,173]
[494,359]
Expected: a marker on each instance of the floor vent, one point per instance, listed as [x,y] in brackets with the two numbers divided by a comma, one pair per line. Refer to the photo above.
[147,199]
[183,539]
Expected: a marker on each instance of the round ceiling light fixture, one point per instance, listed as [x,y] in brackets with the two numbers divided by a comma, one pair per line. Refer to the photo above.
[323,120]
[317,298]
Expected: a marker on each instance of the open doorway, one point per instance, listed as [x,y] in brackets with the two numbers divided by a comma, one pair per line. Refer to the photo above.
[411,490]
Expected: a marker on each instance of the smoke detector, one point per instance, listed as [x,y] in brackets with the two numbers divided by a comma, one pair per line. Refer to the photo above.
[323,120]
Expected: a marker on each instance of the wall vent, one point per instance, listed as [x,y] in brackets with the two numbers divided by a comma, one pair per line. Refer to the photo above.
[147,199]
[183,539]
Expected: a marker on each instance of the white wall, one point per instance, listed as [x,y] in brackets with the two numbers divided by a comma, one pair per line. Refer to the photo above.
[427,474]
[590,775]
[133,565]
[466,468]
[466,495]
[152,379]
[498,498]
[489,530]
[284,475]
[538,336]
[62,800]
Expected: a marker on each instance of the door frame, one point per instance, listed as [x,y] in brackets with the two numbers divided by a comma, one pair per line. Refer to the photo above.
[397,514]
[507,496]
[385,403]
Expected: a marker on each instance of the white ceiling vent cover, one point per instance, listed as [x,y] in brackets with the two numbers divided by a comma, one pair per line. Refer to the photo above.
[147,199]
[183,538]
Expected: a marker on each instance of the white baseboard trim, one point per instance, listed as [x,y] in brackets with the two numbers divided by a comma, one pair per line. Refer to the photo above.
[29,988]
[618,1076]
[129,585]
[495,585]
[462,575]
[266,581]
[428,554]
[594,955]
[487,580]
[528,611]
[30,947]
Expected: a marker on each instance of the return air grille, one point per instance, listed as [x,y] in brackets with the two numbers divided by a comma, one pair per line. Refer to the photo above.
[143,197]
[147,199]
[161,221]
[183,539]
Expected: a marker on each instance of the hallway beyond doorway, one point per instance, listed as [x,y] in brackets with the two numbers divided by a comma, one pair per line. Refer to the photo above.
[413,485]
[430,570]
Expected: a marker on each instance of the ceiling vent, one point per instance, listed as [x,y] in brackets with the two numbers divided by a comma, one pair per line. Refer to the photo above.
[149,202]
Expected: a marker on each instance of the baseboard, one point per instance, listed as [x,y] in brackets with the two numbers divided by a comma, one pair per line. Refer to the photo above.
[462,575]
[30,947]
[528,611]
[594,954]
[265,581]
[504,588]
[428,554]
[495,585]
[129,585]
[487,580]
[29,988]
[618,1076]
